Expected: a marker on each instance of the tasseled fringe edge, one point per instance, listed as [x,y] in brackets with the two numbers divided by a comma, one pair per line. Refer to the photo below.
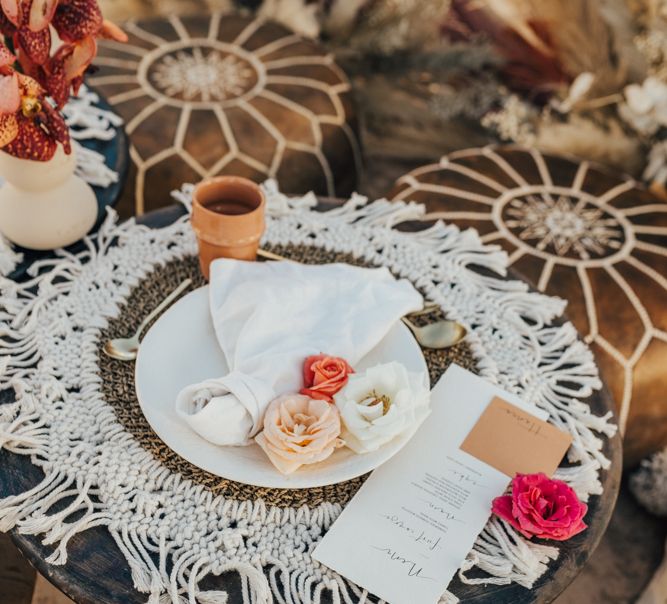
[88,121]
[262,581]
[507,557]
[499,551]
[92,167]
[9,259]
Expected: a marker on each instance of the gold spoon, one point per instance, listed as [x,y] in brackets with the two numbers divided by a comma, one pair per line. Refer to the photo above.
[126,349]
[438,335]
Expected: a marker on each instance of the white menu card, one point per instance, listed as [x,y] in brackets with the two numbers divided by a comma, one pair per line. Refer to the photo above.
[411,525]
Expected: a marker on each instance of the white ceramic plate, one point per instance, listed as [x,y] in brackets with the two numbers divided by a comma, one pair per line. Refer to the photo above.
[181,349]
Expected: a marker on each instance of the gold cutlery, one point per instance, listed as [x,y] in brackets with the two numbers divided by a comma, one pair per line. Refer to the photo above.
[126,349]
[439,334]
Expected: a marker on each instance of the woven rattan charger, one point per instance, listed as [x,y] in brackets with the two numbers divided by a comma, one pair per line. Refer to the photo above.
[119,390]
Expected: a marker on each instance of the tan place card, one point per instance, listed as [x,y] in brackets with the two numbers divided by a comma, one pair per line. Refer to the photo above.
[515,442]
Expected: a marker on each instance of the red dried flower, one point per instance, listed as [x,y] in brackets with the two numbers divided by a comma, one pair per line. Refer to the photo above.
[10,94]
[77,22]
[31,141]
[34,44]
[7,28]
[30,127]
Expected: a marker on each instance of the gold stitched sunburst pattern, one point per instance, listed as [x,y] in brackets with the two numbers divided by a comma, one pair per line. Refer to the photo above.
[577,232]
[201,75]
[565,225]
[203,96]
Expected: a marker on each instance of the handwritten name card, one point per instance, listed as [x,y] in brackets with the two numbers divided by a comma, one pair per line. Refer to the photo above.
[411,525]
[516,442]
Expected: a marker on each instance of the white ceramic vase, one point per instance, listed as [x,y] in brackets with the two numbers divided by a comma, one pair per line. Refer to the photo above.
[43,205]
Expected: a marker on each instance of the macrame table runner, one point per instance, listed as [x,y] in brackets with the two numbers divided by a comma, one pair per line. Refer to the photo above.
[76,413]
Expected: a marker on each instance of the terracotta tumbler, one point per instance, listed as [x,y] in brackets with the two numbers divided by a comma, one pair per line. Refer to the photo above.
[228,219]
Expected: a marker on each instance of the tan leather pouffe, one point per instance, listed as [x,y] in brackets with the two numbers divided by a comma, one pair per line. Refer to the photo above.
[212,95]
[583,234]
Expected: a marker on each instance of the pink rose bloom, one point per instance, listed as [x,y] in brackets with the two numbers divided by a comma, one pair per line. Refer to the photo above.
[542,507]
[323,376]
[299,430]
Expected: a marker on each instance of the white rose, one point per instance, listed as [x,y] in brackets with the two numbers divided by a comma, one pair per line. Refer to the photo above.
[645,107]
[379,404]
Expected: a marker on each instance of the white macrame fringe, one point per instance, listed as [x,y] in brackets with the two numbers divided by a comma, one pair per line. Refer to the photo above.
[173,532]
[87,120]
[92,167]
[9,259]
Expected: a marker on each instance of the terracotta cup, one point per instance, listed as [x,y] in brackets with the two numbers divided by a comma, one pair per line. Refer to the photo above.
[228,219]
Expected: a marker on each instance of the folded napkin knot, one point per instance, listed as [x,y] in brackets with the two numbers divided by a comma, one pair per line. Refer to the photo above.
[226,410]
[268,317]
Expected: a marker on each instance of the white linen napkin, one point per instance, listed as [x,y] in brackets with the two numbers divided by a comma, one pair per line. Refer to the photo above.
[270,316]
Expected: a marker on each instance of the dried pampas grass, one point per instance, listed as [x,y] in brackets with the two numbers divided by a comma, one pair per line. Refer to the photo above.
[297,15]
[581,137]
[594,36]
[383,26]
[602,140]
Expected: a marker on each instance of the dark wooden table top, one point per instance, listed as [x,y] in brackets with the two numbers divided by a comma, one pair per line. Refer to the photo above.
[97,573]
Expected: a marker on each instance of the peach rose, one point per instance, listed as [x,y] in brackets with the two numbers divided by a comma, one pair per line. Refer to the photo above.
[323,376]
[299,430]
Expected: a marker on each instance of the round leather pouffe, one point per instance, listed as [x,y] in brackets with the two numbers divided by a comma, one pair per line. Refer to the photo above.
[580,233]
[212,95]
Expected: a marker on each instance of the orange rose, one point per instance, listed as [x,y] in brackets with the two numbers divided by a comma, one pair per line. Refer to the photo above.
[323,376]
[299,431]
